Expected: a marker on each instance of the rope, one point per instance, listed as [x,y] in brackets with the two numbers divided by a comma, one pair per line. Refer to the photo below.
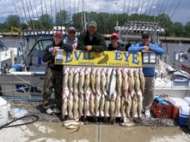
[34,118]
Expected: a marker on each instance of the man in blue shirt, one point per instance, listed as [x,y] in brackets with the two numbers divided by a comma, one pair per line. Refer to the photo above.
[149,72]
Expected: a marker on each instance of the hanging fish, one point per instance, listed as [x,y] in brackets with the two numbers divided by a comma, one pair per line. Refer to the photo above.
[142,80]
[138,93]
[125,104]
[93,89]
[76,94]
[81,91]
[87,91]
[107,98]
[93,80]
[103,91]
[70,80]
[119,80]
[134,96]
[98,92]
[112,94]
[65,93]
[70,98]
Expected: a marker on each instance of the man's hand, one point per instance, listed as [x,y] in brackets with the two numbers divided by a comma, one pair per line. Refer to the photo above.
[89,47]
[55,50]
[146,48]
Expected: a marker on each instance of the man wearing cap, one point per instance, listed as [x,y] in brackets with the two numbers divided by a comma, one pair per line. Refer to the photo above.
[70,41]
[91,40]
[115,44]
[53,79]
[149,72]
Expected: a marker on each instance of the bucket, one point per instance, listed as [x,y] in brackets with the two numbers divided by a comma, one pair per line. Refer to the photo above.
[4,109]
[184,115]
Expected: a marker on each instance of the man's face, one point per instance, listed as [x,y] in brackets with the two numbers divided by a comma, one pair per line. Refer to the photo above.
[92,30]
[146,41]
[114,40]
[71,34]
[57,40]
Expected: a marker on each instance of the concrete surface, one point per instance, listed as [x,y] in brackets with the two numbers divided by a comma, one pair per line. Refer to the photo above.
[54,132]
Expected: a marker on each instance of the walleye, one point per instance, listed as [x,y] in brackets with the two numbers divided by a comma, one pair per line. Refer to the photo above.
[119,80]
[126,103]
[112,94]
[142,80]
[87,91]
[81,91]
[103,91]
[138,93]
[98,92]
[134,96]
[76,94]
[107,98]
[93,88]
[65,92]
[70,98]
[93,80]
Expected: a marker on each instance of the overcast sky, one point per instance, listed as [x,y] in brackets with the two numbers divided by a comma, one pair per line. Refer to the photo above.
[179,10]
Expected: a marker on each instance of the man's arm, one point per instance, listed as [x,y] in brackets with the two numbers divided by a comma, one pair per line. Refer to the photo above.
[157,49]
[47,55]
[101,45]
[81,45]
[134,48]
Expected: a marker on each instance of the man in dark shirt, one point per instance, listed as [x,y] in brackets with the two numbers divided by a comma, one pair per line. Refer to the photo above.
[53,79]
[115,44]
[91,40]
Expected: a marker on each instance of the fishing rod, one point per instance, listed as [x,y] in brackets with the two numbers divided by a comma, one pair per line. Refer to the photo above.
[150,7]
[176,7]
[161,7]
[55,8]
[24,10]
[41,4]
[29,14]
[51,8]
[141,7]
[171,9]
[137,6]
[129,7]
[132,7]
[124,6]
[45,5]
[166,6]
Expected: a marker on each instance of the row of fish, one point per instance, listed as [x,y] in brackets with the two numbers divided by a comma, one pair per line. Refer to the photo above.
[102,92]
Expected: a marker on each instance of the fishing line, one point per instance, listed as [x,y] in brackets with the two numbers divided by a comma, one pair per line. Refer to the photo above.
[25,15]
[177,6]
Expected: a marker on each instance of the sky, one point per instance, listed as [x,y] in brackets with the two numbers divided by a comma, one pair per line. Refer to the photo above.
[179,10]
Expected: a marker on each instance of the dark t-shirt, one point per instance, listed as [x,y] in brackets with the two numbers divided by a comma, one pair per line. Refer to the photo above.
[120,47]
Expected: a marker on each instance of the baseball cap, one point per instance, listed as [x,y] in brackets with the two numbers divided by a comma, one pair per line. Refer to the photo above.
[145,35]
[71,29]
[92,24]
[114,36]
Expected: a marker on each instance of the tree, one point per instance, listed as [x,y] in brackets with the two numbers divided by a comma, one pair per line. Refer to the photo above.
[166,23]
[178,29]
[187,29]
[46,22]
[61,18]
[13,21]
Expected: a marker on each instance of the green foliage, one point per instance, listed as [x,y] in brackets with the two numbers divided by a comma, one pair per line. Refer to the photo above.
[46,22]
[61,18]
[12,21]
[106,22]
